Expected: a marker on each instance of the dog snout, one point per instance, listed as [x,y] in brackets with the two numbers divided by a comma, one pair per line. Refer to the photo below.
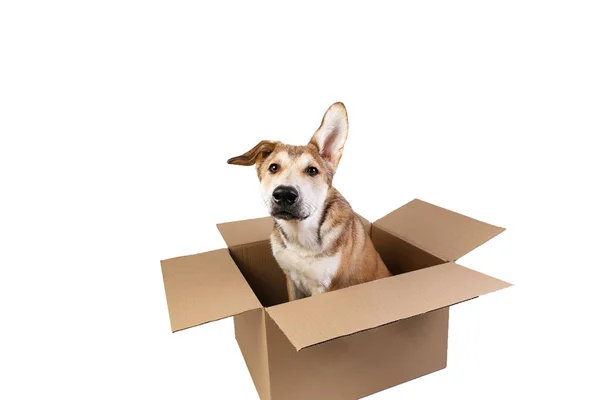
[285,195]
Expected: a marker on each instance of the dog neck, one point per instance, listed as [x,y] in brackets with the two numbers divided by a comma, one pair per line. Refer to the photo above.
[302,235]
[312,235]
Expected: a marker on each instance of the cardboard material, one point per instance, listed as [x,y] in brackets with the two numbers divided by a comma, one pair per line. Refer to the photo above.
[251,335]
[399,255]
[344,344]
[257,264]
[317,319]
[356,366]
[205,287]
[441,232]
[245,232]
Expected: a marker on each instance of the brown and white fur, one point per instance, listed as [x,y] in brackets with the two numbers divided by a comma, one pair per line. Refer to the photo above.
[318,241]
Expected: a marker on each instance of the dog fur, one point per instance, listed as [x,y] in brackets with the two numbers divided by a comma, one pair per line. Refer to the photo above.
[317,239]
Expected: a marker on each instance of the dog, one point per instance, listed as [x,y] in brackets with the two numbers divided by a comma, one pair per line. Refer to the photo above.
[317,239]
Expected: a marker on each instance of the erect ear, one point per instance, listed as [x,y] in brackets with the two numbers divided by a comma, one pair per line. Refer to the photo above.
[331,135]
[254,155]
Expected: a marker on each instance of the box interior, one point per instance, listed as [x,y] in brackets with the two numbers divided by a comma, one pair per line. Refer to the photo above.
[267,280]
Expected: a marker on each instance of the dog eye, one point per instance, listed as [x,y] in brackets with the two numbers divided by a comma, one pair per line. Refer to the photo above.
[312,171]
[273,168]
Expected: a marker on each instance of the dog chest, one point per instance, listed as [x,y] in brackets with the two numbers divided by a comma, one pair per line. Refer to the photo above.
[311,274]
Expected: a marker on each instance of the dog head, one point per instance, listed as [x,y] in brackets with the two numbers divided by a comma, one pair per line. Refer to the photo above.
[295,179]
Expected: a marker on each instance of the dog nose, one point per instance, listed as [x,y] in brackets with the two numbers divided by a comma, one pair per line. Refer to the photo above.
[285,194]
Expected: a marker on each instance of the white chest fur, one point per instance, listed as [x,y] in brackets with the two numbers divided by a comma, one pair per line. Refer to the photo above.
[302,258]
[311,274]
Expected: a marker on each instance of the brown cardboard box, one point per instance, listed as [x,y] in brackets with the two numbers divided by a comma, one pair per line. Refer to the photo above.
[344,344]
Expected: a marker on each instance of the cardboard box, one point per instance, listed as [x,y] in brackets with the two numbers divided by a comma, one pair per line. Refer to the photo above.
[344,344]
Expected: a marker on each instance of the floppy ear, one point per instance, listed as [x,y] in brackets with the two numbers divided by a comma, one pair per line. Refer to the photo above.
[331,135]
[253,155]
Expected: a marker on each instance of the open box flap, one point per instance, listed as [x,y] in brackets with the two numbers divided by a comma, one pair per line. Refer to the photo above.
[246,231]
[327,316]
[205,287]
[441,232]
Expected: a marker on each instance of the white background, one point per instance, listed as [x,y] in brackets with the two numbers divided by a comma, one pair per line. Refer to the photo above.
[117,118]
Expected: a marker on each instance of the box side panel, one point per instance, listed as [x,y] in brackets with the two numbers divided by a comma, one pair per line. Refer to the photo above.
[263,274]
[250,333]
[399,255]
[355,366]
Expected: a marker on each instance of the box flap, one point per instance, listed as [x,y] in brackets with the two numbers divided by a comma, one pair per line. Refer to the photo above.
[441,232]
[246,231]
[327,316]
[205,287]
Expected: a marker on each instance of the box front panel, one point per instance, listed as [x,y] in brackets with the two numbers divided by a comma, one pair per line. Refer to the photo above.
[358,365]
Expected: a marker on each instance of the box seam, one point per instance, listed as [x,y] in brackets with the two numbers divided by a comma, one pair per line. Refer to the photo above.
[265,316]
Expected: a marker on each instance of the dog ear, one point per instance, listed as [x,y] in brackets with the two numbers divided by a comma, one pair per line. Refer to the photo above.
[251,156]
[331,135]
